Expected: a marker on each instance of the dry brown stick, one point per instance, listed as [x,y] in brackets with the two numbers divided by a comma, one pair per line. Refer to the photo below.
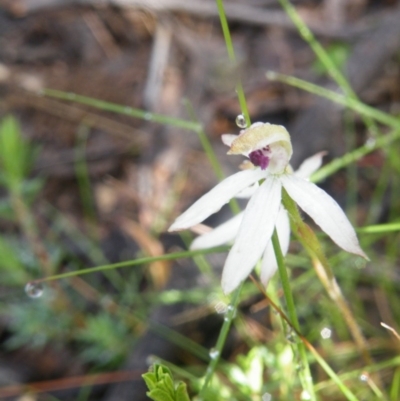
[102,35]
[158,64]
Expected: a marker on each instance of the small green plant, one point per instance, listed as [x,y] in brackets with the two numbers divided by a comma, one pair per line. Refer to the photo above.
[162,387]
[105,340]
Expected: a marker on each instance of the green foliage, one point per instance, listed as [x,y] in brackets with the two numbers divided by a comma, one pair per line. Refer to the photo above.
[105,339]
[11,266]
[36,323]
[248,372]
[162,387]
[15,154]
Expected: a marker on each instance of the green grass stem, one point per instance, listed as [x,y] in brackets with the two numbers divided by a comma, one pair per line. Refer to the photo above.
[350,157]
[120,109]
[324,58]
[232,57]
[215,353]
[305,373]
[353,104]
[134,262]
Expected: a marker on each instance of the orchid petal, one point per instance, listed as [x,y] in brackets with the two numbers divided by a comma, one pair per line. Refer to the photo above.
[248,192]
[310,166]
[269,262]
[324,210]
[213,200]
[259,135]
[254,233]
[227,139]
[222,234]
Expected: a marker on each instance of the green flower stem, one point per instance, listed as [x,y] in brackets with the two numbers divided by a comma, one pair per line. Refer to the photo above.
[231,312]
[306,376]
[216,352]
[212,158]
[324,272]
[232,57]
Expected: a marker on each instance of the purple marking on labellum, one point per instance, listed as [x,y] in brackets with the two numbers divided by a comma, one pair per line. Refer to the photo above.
[260,158]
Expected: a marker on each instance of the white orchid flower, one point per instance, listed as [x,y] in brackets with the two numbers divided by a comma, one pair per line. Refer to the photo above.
[269,149]
[227,232]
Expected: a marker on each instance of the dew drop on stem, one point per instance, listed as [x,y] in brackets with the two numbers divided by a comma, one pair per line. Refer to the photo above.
[214,353]
[34,289]
[326,333]
[241,121]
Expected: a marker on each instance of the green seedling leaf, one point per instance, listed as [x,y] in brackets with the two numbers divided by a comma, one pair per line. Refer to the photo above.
[159,394]
[161,385]
[150,380]
[181,392]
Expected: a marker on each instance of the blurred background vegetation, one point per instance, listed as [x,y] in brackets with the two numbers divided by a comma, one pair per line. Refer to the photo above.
[83,186]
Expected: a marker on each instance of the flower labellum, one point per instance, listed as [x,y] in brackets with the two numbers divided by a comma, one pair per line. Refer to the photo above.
[269,149]
[260,157]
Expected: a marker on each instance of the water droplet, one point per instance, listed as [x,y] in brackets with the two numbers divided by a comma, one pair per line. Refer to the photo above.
[214,353]
[290,336]
[370,142]
[364,377]
[266,397]
[34,289]
[305,395]
[150,360]
[230,312]
[71,96]
[326,333]
[106,301]
[128,110]
[241,121]
[147,116]
[271,75]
